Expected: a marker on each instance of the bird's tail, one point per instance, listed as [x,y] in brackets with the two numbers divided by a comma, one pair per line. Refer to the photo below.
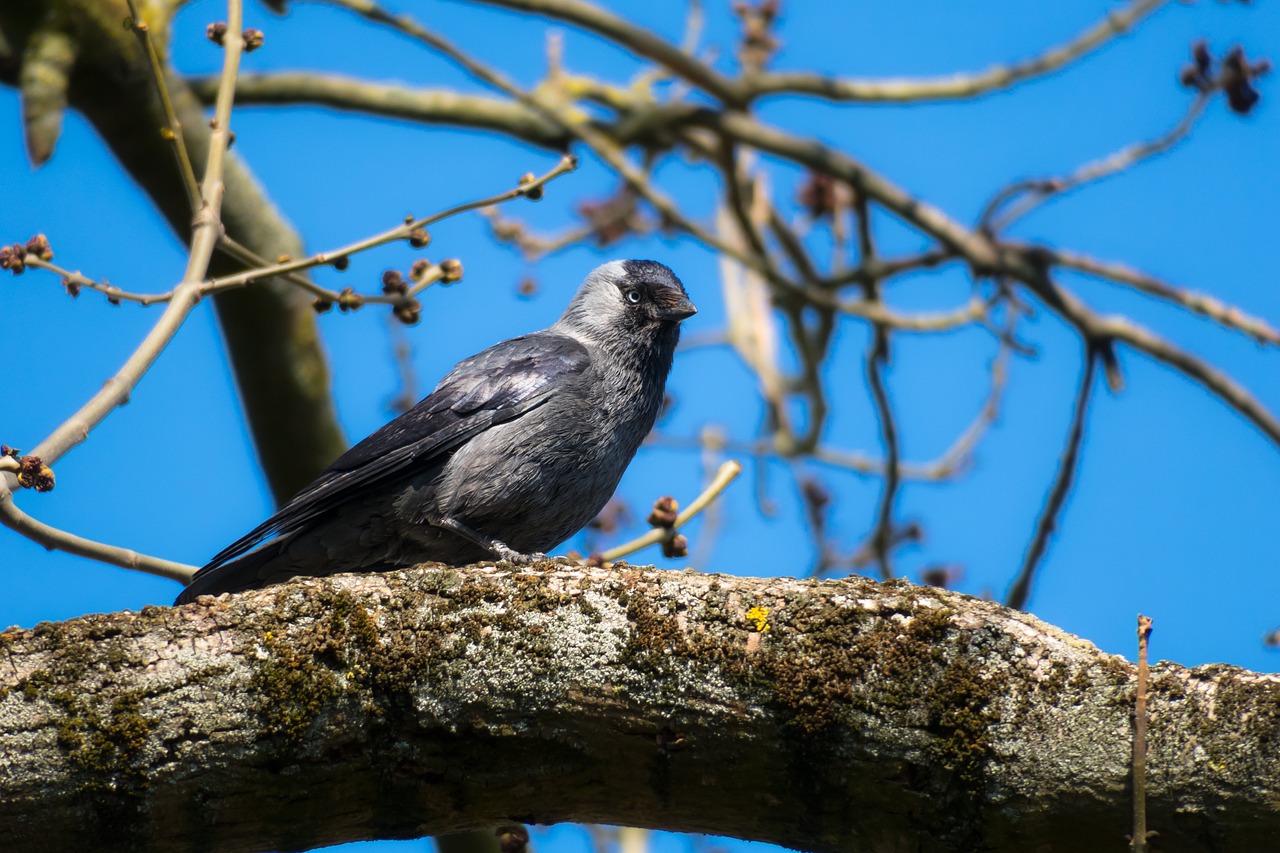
[244,572]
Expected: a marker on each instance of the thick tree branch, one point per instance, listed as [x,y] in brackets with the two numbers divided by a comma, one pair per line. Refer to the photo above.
[430,106]
[836,715]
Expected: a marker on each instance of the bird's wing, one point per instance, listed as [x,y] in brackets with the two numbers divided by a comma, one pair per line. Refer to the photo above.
[492,387]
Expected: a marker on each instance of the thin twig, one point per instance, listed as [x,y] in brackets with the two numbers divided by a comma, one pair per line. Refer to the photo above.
[728,471]
[60,540]
[980,252]
[954,86]
[955,457]
[76,279]
[693,28]
[943,468]
[1028,195]
[884,269]
[207,229]
[793,248]
[876,311]
[882,535]
[433,274]
[536,246]
[402,358]
[401,232]
[1048,521]
[1215,381]
[881,541]
[232,248]
[713,518]
[639,39]
[430,106]
[749,309]
[740,192]
[173,133]
[1138,843]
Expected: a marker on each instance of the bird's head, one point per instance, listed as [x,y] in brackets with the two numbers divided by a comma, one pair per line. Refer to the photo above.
[634,298]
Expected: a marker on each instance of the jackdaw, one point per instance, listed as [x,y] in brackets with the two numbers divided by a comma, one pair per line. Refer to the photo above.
[513,452]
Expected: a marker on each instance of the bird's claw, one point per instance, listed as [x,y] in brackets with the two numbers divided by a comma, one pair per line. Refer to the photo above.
[510,556]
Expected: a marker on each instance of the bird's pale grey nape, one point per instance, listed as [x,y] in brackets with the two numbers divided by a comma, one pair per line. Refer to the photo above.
[512,453]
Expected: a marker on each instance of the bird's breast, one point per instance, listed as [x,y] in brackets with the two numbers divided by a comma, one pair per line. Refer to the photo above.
[536,480]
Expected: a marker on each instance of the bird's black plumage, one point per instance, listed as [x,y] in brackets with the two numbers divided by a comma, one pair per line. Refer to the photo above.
[492,387]
[515,450]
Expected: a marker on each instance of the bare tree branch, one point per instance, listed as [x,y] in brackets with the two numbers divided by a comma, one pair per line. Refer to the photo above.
[1020,592]
[972,246]
[430,106]
[1026,196]
[1104,329]
[1222,313]
[643,41]
[727,473]
[173,125]
[881,539]
[954,86]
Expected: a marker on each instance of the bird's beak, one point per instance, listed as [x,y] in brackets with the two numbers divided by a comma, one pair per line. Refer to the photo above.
[681,309]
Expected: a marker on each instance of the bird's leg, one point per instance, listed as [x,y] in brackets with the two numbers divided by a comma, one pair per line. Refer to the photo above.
[496,547]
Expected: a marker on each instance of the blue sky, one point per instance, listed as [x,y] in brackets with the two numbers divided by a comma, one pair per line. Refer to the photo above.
[1174,512]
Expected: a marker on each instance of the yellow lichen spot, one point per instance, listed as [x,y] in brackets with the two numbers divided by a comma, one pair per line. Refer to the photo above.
[759,616]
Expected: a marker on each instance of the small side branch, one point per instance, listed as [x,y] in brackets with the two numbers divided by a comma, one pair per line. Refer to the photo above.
[430,106]
[60,540]
[404,231]
[882,537]
[643,41]
[1020,199]
[173,132]
[726,475]
[1138,844]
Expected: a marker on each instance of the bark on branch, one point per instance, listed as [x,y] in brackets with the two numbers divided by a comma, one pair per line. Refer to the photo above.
[828,716]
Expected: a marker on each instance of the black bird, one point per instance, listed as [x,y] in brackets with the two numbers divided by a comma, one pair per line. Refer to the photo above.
[513,452]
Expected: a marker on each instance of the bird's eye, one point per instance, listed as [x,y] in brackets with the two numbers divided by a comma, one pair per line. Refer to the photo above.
[633,296]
